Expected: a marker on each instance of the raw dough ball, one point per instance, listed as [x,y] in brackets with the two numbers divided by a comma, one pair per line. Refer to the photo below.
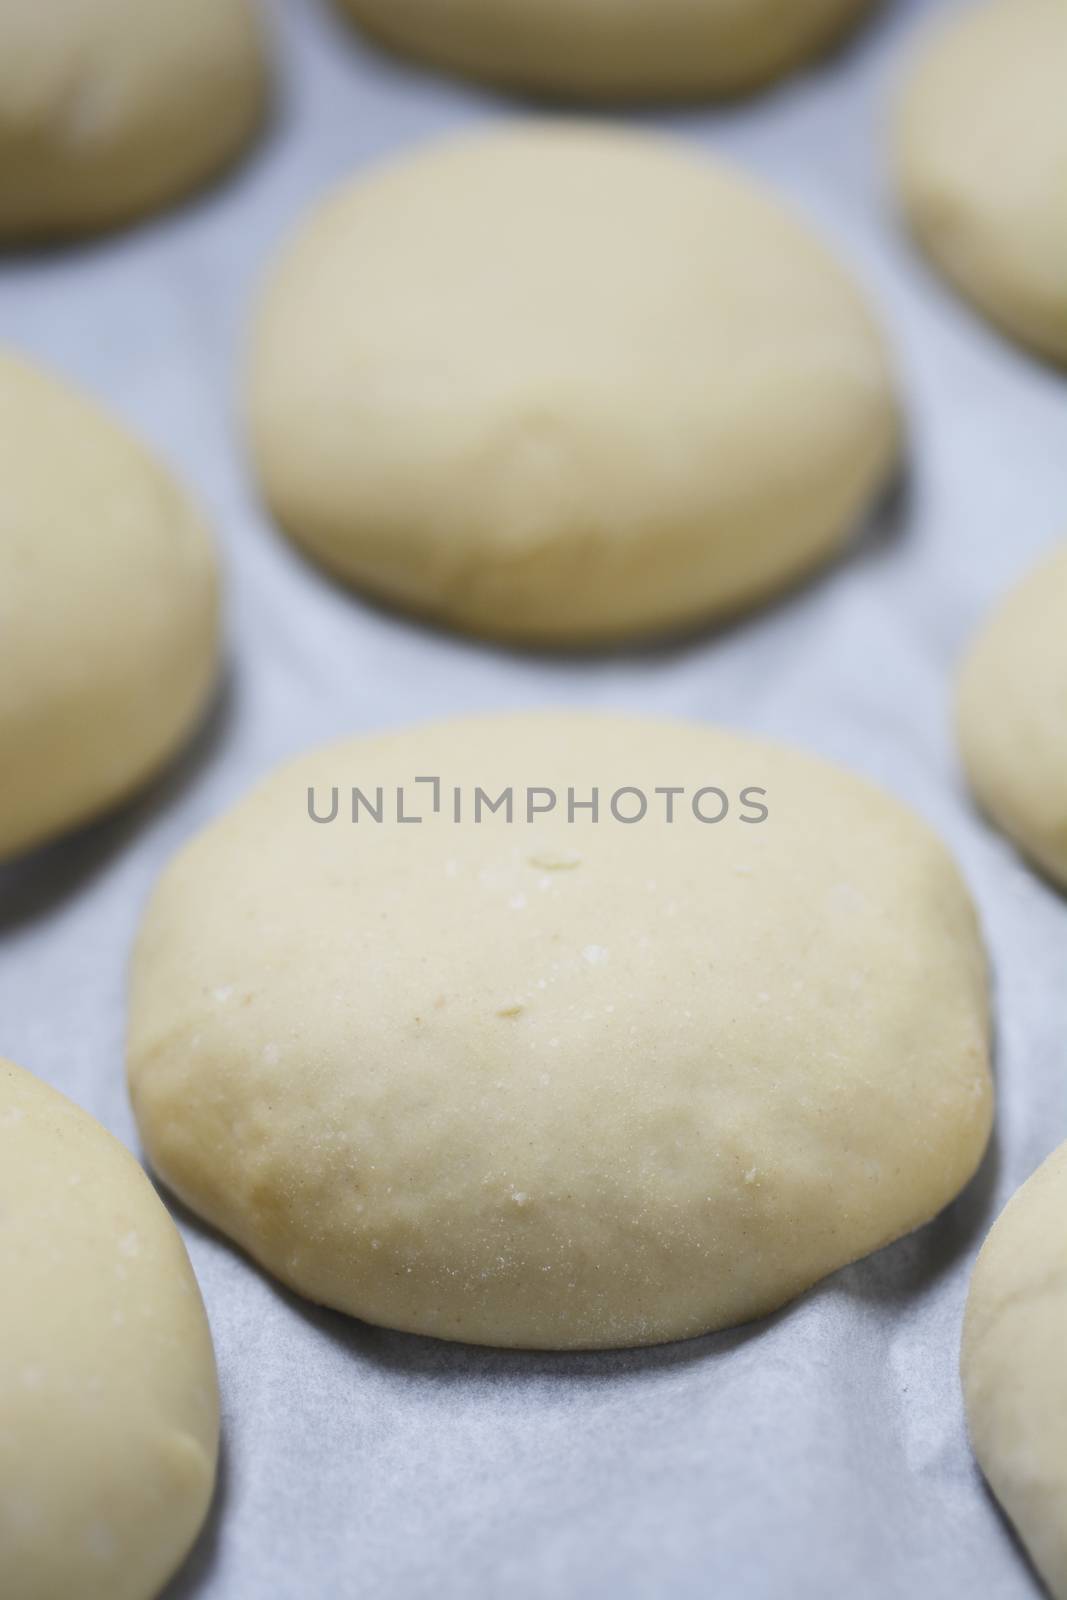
[109,108]
[612,49]
[558,1084]
[108,611]
[982,158]
[109,1411]
[1015,1368]
[564,384]
[1013,716]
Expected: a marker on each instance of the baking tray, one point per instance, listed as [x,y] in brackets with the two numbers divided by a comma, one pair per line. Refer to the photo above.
[820,1452]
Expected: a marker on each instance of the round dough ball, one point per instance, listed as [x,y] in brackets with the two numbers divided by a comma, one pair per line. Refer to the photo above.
[564,384]
[108,611]
[982,163]
[1014,1371]
[110,108]
[1013,716]
[612,49]
[109,1409]
[562,1084]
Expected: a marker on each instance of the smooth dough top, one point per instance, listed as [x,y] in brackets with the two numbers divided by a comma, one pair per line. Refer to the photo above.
[559,1084]
[982,161]
[1015,1368]
[109,1413]
[108,610]
[612,49]
[564,383]
[109,108]
[1013,715]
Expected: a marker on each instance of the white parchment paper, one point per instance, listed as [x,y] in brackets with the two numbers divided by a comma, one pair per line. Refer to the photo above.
[817,1454]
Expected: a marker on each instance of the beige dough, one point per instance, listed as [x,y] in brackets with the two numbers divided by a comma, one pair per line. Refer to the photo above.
[1015,1366]
[1013,716]
[564,384]
[109,1412]
[612,49]
[556,1084]
[110,108]
[982,162]
[108,611]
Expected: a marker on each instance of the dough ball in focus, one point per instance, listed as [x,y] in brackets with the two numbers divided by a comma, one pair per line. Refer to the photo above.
[554,1083]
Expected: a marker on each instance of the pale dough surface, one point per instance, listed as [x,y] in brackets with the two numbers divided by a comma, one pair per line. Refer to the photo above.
[110,108]
[982,162]
[612,49]
[1012,715]
[108,610]
[563,383]
[109,1412]
[1014,1365]
[562,1085]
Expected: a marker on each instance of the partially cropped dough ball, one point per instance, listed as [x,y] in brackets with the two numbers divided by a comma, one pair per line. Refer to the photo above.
[111,108]
[612,49]
[561,1083]
[982,160]
[565,384]
[109,1411]
[108,611]
[1015,1366]
[1013,715]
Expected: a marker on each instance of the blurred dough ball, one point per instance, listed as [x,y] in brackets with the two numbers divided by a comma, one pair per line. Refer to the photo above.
[109,626]
[1014,1366]
[982,162]
[612,49]
[1013,716]
[564,384]
[109,1410]
[111,108]
[553,1082]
